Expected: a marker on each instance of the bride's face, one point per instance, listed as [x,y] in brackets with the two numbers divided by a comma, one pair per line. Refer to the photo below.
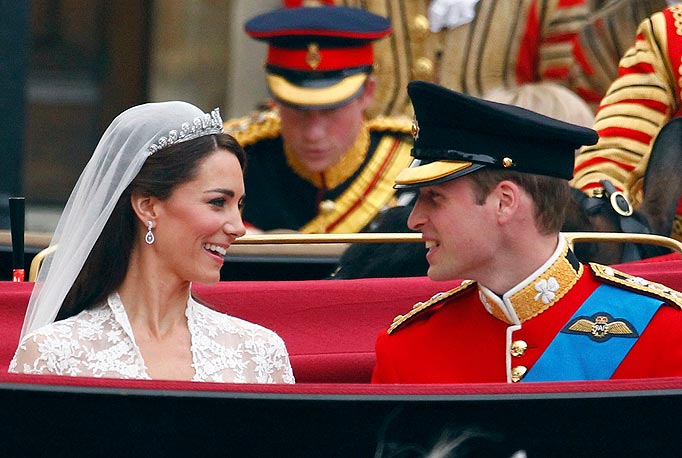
[201,219]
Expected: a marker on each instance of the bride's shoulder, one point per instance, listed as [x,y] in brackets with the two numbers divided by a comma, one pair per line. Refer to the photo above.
[67,328]
[221,323]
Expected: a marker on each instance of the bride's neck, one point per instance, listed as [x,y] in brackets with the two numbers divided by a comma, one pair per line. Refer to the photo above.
[152,296]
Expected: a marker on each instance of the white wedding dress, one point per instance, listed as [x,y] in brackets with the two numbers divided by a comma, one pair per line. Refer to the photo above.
[100,343]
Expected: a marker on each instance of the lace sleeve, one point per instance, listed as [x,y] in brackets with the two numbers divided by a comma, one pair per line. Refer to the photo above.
[31,359]
[283,373]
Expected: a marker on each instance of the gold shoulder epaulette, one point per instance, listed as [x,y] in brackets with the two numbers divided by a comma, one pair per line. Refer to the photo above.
[259,125]
[401,124]
[421,306]
[641,285]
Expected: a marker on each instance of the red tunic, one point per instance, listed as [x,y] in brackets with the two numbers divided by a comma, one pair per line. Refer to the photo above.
[457,340]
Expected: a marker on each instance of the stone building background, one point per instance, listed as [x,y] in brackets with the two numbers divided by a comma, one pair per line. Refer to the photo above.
[88,60]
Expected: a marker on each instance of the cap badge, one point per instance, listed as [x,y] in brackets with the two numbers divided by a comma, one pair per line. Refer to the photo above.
[415,128]
[313,58]
[600,327]
[507,162]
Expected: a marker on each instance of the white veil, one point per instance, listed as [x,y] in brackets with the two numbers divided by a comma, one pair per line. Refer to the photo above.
[132,137]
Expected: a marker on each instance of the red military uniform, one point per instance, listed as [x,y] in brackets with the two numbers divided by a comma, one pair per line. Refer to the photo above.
[507,43]
[471,335]
[644,97]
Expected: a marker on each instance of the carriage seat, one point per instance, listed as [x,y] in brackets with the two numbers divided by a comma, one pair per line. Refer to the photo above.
[329,326]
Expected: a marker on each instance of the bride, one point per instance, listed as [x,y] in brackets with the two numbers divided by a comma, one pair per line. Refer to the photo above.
[153,211]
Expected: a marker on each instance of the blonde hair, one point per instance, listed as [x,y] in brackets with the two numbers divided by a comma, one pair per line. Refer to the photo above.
[549,99]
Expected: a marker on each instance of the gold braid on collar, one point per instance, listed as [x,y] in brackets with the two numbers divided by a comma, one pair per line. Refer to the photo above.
[349,163]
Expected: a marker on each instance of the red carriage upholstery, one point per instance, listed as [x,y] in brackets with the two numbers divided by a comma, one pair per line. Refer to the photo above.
[329,326]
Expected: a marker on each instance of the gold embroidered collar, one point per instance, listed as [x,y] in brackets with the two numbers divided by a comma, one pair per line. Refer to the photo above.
[349,163]
[537,293]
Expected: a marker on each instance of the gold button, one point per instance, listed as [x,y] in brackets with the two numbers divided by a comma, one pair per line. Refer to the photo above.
[507,162]
[420,26]
[517,373]
[327,206]
[518,348]
[423,69]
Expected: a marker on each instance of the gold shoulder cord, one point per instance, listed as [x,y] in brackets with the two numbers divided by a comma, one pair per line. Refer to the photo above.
[421,306]
[368,194]
[258,126]
[398,124]
[648,288]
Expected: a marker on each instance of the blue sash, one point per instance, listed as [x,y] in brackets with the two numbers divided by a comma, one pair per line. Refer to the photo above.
[571,356]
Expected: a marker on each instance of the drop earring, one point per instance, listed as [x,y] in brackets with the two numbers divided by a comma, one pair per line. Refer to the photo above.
[149,237]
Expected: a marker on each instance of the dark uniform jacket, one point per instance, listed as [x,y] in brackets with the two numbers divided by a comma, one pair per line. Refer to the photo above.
[282,195]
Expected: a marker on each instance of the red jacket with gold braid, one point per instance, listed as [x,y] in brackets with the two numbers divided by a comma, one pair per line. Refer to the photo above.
[508,43]
[644,97]
[470,335]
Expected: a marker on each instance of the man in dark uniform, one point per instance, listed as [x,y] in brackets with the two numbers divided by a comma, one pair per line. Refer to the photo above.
[316,164]
[492,183]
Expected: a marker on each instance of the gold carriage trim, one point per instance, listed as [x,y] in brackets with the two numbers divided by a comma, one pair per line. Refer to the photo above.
[421,306]
[649,288]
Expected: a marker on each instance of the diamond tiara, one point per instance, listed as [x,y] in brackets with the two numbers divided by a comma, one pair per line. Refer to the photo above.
[207,124]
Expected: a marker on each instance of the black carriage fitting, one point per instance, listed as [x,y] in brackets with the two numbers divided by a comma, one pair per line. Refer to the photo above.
[17,217]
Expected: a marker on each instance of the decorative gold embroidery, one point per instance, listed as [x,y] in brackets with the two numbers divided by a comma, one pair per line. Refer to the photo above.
[540,294]
[421,306]
[347,165]
[371,191]
[401,124]
[313,57]
[677,18]
[547,289]
[368,194]
[649,288]
[250,129]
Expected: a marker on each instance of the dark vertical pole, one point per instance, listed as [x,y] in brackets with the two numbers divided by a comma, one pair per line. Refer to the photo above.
[16,216]
[14,50]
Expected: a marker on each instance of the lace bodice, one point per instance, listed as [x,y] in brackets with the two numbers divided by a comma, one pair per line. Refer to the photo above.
[100,343]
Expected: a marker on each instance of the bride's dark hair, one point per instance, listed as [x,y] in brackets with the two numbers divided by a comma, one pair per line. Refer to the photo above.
[107,263]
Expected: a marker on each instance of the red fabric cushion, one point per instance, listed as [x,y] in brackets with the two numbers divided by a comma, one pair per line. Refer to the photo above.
[329,326]
[13,301]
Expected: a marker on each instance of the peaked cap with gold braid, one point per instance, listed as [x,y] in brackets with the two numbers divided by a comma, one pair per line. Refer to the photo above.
[318,57]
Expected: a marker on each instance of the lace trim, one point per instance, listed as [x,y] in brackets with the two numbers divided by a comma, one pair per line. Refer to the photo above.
[100,343]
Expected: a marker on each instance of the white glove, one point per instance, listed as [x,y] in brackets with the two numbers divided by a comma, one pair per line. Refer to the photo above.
[450,13]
